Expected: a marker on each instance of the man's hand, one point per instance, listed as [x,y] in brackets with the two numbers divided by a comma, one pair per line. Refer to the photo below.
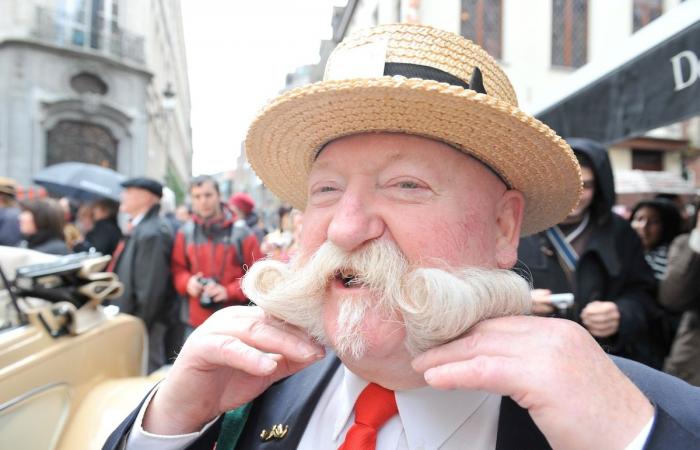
[216,292]
[194,287]
[574,393]
[541,305]
[601,318]
[227,361]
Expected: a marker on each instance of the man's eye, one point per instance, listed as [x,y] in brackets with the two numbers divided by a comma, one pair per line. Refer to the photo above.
[407,185]
[326,189]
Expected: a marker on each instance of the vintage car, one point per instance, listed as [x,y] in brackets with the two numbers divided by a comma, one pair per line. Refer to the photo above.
[70,368]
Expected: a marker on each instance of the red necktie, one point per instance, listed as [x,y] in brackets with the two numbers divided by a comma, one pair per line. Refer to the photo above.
[120,248]
[115,256]
[373,408]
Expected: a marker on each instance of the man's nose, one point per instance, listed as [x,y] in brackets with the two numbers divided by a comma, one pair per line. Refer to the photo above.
[354,222]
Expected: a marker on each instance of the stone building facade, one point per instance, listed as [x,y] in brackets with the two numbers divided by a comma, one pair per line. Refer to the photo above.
[98,81]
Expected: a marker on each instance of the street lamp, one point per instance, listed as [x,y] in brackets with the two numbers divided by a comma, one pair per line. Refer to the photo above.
[168,98]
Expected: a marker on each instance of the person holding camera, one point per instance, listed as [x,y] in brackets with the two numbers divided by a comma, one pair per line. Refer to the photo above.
[211,253]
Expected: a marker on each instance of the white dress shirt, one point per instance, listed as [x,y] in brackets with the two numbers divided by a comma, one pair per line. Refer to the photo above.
[428,419]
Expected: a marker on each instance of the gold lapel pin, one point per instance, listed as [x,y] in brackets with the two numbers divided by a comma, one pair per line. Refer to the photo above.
[277,432]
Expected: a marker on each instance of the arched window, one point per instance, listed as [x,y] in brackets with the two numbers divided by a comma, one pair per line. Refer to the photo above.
[86,82]
[72,140]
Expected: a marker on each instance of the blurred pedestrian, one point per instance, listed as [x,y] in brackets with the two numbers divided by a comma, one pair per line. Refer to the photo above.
[10,234]
[657,222]
[680,292]
[182,214]
[283,243]
[105,233]
[41,223]
[596,255]
[142,262]
[243,206]
[71,232]
[211,253]
[686,215]
[84,219]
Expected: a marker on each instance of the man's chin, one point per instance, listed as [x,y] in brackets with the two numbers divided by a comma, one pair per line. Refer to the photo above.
[373,346]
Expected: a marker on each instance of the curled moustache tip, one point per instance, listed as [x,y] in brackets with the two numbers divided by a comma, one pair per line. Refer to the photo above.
[262,277]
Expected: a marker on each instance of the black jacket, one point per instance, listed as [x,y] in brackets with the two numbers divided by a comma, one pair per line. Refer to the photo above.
[292,401]
[611,267]
[104,236]
[144,268]
[45,243]
[9,226]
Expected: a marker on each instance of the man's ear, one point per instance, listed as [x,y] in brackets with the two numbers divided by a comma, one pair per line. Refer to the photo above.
[509,218]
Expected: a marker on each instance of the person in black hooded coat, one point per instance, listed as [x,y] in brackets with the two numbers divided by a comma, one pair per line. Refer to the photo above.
[613,286]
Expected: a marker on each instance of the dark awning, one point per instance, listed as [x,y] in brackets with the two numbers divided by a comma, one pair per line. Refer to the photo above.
[655,88]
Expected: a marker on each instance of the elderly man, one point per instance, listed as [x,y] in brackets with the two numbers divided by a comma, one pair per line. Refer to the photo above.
[417,174]
[142,261]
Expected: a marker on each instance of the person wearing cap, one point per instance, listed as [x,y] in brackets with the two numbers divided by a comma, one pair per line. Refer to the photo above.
[10,233]
[142,262]
[596,255]
[243,206]
[400,324]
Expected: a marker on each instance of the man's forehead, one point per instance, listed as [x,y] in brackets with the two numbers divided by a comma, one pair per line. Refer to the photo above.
[395,148]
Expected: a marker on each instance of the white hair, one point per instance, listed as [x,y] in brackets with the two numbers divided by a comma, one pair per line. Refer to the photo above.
[434,305]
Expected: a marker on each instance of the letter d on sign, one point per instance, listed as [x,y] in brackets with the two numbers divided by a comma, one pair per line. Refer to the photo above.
[693,74]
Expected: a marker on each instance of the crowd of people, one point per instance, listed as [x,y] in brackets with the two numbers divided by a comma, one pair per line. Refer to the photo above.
[178,264]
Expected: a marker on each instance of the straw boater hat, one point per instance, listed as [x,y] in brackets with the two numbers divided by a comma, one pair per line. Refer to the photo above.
[423,81]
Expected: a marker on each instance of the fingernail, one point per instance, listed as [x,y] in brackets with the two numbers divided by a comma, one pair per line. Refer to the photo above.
[429,375]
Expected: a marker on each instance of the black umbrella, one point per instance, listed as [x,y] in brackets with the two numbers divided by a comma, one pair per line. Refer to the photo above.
[81,181]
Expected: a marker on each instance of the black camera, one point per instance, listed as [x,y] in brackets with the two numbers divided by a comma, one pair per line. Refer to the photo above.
[204,300]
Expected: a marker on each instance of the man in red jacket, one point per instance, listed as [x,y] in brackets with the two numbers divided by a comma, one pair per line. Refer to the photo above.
[211,253]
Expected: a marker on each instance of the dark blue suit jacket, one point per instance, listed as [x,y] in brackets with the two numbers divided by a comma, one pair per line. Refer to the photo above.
[291,402]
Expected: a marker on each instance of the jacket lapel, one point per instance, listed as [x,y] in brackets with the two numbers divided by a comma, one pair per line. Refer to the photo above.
[288,403]
[516,430]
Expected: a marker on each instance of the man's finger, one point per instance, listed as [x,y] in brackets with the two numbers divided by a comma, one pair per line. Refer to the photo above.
[232,319]
[473,344]
[599,320]
[269,338]
[496,374]
[228,351]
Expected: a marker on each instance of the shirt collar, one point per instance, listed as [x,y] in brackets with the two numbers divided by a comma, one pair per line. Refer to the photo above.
[350,388]
[137,219]
[429,416]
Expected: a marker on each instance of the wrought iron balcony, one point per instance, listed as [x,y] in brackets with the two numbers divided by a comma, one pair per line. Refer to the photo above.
[55,28]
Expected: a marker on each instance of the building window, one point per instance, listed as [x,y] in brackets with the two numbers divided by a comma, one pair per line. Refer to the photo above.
[481,23]
[644,12]
[85,142]
[90,22]
[647,160]
[569,33]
